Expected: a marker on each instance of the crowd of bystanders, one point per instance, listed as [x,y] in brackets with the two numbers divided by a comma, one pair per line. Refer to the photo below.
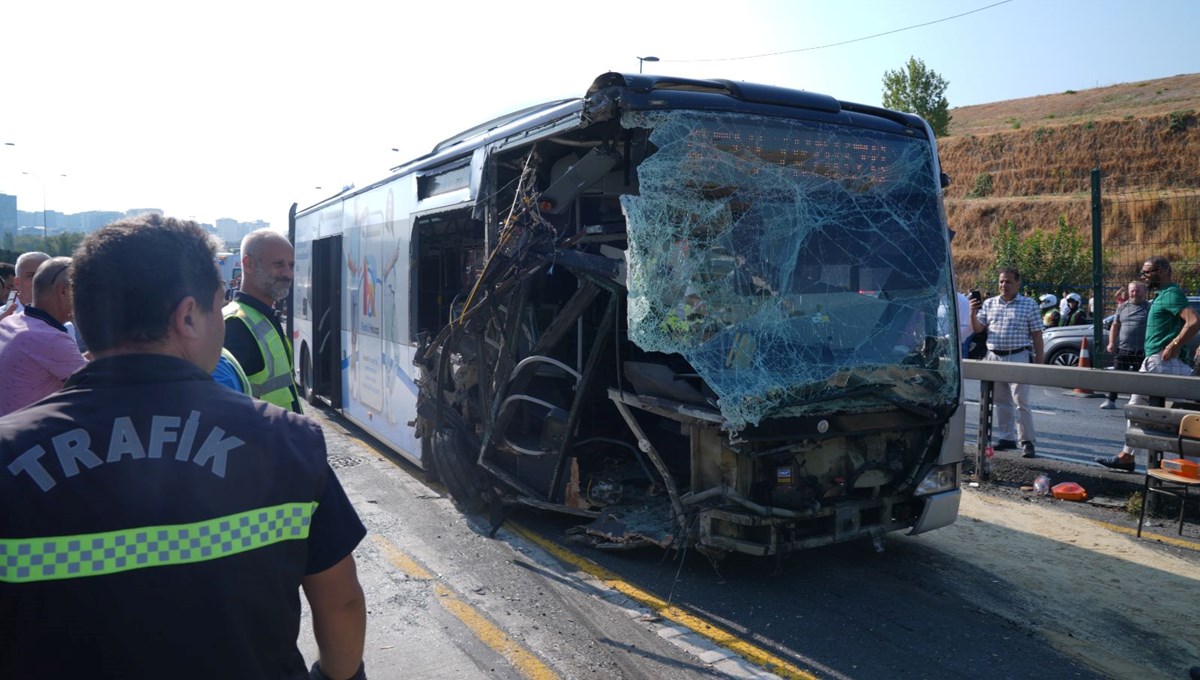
[136,490]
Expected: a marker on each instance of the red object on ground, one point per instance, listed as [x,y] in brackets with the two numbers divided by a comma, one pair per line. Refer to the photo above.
[1069,491]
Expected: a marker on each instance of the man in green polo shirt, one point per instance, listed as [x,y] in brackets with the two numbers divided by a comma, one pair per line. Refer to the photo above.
[1170,324]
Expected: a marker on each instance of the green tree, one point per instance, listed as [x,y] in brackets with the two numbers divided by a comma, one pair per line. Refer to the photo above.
[920,90]
[1049,261]
[53,245]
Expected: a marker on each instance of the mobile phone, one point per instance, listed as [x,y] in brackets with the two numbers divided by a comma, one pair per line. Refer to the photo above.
[976,295]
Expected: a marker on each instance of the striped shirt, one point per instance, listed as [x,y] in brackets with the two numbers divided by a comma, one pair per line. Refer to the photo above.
[1010,324]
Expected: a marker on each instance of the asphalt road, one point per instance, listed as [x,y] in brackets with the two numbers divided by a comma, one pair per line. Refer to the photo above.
[447,601]
[1070,427]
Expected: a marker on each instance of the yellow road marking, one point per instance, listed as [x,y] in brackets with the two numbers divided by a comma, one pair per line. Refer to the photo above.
[1169,540]
[401,560]
[491,635]
[743,648]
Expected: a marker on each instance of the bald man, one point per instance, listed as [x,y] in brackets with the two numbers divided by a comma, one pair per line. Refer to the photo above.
[37,354]
[253,332]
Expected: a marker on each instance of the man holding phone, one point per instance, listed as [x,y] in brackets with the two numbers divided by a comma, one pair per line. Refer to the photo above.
[1014,325]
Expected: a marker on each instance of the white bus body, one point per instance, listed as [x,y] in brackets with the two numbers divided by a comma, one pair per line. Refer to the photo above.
[693,312]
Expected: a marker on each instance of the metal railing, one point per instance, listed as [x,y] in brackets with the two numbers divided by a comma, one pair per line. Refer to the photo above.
[1153,385]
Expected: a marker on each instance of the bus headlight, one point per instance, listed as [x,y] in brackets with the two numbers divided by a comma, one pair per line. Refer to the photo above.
[939,478]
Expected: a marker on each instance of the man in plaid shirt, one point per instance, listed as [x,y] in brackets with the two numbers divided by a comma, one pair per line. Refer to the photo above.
[1014,325]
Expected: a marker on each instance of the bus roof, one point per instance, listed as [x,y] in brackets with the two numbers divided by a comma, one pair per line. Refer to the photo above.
[639,86]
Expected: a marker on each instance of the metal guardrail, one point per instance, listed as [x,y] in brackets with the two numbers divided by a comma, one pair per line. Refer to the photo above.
[1153,385]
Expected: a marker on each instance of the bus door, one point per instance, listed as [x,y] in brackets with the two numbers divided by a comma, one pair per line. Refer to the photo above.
[326,319]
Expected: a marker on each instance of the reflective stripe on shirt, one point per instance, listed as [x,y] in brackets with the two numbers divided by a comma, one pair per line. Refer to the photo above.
[23,560]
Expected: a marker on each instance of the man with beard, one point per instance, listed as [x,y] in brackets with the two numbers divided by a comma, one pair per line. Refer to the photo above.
[253,331]
[1170,324]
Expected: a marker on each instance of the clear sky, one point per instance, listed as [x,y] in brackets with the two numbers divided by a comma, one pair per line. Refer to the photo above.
[237,108]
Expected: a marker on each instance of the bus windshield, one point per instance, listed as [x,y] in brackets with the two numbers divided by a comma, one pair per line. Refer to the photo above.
[801,267]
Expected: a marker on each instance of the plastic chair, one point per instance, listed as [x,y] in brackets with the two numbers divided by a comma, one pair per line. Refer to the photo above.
[1168,483]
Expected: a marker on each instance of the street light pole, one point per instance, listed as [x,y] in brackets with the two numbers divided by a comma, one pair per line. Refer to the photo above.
[645,59]
[45,224]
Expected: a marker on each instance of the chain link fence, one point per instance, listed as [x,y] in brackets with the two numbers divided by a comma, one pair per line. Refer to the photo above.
[1149,215]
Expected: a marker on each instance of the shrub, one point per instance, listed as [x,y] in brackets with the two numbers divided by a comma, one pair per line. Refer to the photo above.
[982,187]
[1133,506]
[1178,121]
[1069,92]
[1052,261]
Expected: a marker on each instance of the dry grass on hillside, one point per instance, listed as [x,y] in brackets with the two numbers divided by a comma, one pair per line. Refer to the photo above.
[1157,151]
[1134,224]
[1029,161]
[1141,99]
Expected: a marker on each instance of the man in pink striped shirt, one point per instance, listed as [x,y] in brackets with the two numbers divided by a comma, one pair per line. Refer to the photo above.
[36,352]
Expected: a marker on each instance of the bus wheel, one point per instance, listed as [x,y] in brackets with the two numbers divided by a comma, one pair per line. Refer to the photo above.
[428,462]
[456,469]
[306,377]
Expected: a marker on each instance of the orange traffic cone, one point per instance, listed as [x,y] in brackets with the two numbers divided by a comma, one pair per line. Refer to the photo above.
[1085,361]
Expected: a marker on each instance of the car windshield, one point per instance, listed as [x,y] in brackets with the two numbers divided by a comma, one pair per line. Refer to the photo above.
[792,262]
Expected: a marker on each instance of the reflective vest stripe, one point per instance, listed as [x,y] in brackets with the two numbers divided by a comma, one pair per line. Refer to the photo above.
[24,560]
[274,383]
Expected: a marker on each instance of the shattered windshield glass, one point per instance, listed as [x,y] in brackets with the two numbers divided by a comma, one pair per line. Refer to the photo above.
[800,267]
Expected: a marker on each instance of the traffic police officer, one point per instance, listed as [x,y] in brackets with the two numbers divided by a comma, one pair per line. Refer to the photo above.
[154,524]
[253,332]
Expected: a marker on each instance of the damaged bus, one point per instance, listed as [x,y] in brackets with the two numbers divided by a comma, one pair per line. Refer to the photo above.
[689,312]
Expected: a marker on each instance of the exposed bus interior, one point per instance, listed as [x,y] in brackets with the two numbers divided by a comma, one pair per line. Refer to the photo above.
[447,257]
[710,329]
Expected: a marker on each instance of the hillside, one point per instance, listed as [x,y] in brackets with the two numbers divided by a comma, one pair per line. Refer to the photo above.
[1114,102]
[1029,161]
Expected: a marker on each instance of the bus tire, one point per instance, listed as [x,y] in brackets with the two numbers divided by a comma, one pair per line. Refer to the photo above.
[456,469]
[428,462]
[306,377]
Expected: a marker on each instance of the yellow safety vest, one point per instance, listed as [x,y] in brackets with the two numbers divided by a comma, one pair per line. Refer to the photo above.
[274,383]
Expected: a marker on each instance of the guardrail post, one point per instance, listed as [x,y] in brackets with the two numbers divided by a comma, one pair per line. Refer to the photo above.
[982,464]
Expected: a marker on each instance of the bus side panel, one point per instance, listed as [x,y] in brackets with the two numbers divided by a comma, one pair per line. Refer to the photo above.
[378,376]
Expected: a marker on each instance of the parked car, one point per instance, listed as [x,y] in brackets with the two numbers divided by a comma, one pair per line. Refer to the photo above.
[1060,346]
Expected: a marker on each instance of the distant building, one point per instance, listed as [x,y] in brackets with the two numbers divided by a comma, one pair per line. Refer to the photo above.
[229,230]
[21,222]
[142,211]
[232,231]
[8,220]
[94,219]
